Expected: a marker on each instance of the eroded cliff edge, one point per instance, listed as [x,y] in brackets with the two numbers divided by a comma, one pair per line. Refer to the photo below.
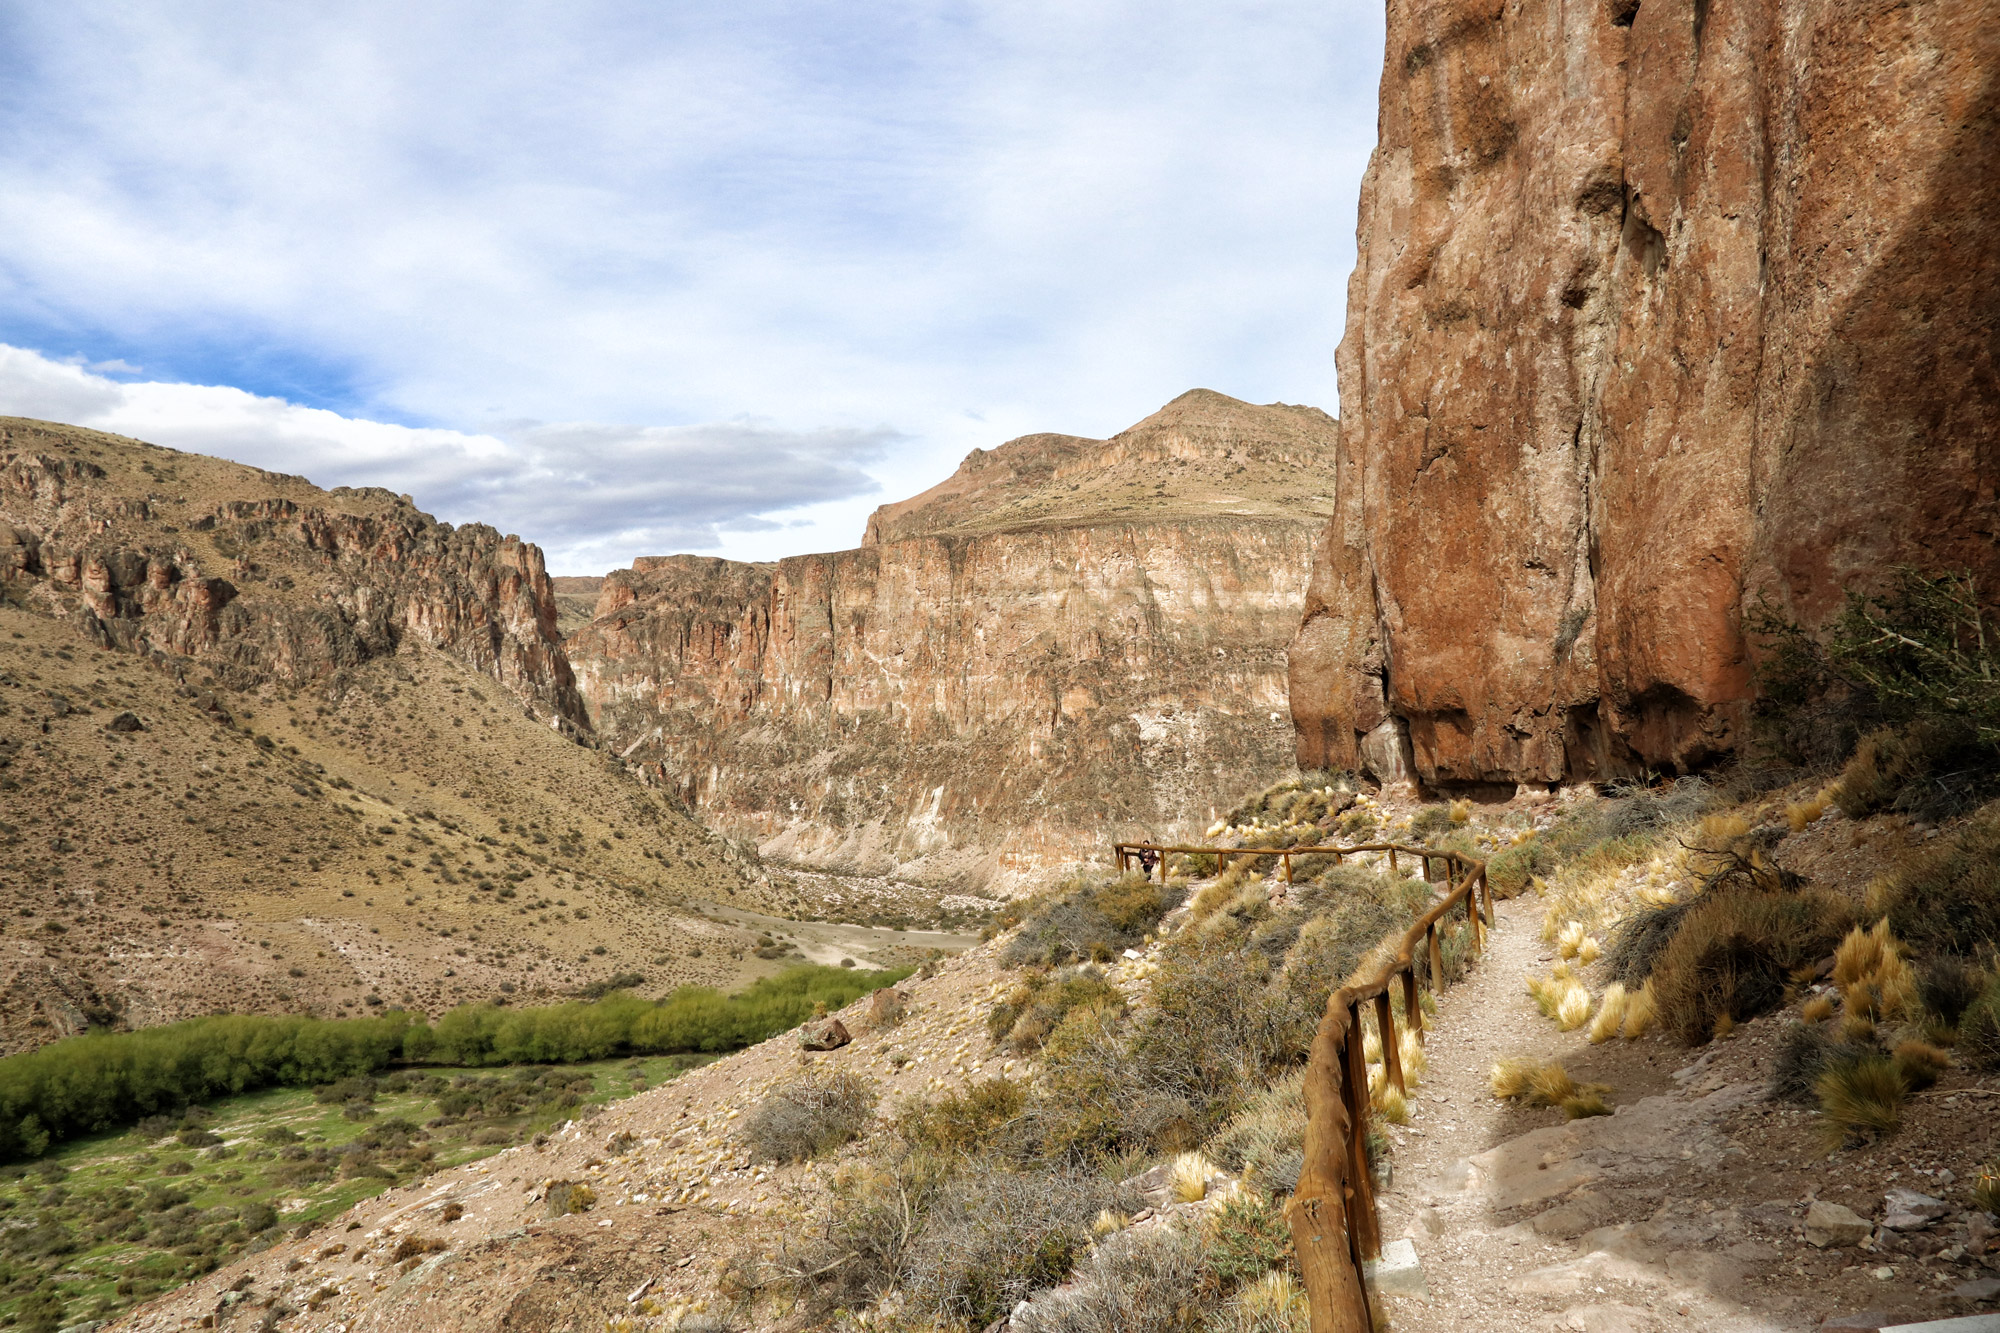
[1661,307]
[1067,640]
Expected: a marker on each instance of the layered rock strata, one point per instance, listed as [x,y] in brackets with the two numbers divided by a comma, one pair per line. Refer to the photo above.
[278,584]
[1066,641]
[1661,308]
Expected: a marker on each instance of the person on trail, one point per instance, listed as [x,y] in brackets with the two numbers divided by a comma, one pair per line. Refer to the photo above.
[1148,858]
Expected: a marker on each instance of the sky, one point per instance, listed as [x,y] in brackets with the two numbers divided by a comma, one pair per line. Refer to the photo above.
[632,278]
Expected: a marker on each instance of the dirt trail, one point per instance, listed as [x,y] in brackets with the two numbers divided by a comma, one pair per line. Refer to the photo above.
[1681,1211]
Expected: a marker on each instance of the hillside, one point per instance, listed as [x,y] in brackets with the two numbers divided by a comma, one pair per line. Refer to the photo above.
[270,748]
[1066,640]
[1013,1103]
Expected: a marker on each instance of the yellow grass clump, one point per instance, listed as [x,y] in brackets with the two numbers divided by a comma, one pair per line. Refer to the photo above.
[1920,1063]
[1817,1010]
[1550,1085]
[1391,1104]
[1860,1095]
[1584,1105]
[1641,1012]
[1610,1014]
[1108,1221]
[1188,1177]
[1273,1301]
[1509,1079]
[1589,951]
[1573,1010]
[1873,977]
[1461,812]
[1569,940]
[1411,1049]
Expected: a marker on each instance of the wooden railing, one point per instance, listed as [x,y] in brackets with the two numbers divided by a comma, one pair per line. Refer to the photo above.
[1335,1229]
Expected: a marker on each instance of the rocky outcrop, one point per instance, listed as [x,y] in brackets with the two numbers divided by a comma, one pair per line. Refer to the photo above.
[1661,308]
[279,587]
[1066,641]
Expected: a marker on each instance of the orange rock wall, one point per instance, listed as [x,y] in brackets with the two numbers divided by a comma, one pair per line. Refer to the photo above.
[1660,307]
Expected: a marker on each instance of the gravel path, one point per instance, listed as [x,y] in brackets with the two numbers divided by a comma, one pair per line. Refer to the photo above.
[1474,1177]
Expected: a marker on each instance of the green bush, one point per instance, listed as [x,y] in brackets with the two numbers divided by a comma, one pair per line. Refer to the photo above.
[1091,921]
[963,1122]
[102,1081]
[1947,900]
[1037,1006]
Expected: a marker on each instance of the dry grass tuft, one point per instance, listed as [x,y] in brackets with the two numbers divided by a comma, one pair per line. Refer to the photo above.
[1509,1079]
[1734,952]
[1642,1012]
[1817,1010]
[1108,1221]
[1920,1064]
[1573,1010]
[1188,1177]
[1610,1014]
[1589,951]
[1860,1096]
[1391,1104]
[1273,1302]
[1550,1085]
[1569,940]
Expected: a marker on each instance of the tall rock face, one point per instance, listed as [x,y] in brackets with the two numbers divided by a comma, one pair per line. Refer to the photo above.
[264,576]
[1067,640]
[1662,307]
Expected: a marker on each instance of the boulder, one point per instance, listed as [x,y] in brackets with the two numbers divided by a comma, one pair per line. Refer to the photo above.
[1907,1210]
[886,1007]
[1835,1224]
[824,1034]
[126,721]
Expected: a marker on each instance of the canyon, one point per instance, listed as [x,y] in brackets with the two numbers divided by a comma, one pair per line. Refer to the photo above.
[1664,313]
[1066,641]
[267,748]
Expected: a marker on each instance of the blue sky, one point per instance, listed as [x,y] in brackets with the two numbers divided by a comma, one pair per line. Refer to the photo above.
[631,278]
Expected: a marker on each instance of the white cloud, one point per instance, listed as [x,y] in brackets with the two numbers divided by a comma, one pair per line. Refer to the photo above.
[593,495]
[970,220]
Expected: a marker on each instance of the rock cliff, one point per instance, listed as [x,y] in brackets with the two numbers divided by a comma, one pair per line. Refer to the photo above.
[1661,307]
[286,583]
[1066,640]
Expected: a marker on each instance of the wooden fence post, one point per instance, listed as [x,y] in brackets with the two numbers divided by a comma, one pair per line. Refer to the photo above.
[1392,1057]
[1319,1208]
[1413,1010]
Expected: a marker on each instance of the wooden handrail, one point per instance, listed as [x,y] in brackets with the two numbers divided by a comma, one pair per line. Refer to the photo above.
[1127,852]
[1335,1229]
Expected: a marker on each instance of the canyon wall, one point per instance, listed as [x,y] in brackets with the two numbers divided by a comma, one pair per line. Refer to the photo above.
[1662,307]
[1068,640]
[251,575]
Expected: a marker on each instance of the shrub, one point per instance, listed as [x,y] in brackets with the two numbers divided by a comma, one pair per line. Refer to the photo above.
[990,1237]
[564,1197]
[1641,937]
[811,1115]
[1917,656]
[1733,952]
[1154,1283]
[1091,921]
[1947,900]
[1947,986]
[1037,1006]
[1863,1095]
[963,1122]
[1979,1029]
[1247,1238]
[1265,1141]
